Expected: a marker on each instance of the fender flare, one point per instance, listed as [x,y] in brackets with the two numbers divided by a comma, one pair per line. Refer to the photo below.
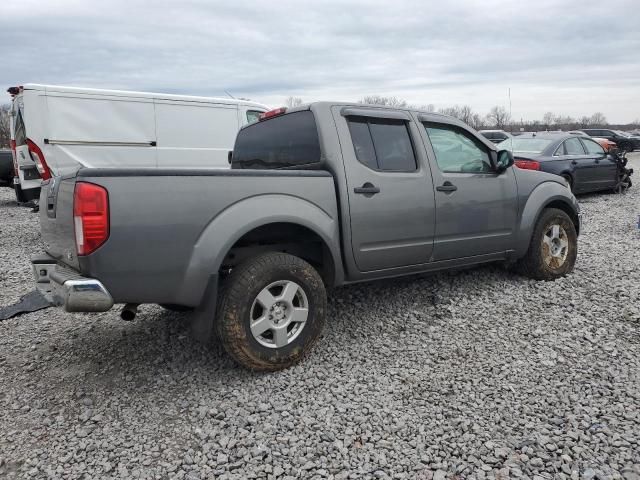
[223,231]
[540,198]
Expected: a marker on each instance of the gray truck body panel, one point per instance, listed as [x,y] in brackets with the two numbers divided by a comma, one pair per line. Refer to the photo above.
[171,230]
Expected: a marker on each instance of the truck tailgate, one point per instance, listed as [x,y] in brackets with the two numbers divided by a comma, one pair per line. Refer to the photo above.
[56,219]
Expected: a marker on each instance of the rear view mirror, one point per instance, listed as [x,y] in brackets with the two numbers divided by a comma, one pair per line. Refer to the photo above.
[504,160]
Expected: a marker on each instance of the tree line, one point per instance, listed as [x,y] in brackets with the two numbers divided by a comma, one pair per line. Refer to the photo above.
[498,116]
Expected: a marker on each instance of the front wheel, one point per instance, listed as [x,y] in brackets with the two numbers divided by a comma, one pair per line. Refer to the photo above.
[553,248]
[272,311]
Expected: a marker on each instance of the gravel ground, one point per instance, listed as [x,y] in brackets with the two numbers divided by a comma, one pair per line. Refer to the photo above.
[475,374]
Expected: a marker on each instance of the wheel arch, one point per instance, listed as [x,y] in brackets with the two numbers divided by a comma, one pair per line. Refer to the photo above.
[242,220]
[544,196]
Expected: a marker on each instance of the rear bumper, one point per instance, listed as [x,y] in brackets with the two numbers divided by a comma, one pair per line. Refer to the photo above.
[65,287]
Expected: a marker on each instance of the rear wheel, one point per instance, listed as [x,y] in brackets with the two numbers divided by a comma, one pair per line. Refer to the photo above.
[272,311]
[553,248]
[569,180]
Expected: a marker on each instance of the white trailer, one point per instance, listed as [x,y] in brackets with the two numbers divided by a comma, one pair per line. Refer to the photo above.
[55,130]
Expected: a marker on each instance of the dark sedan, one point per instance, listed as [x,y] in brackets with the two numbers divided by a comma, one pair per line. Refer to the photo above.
[580,160]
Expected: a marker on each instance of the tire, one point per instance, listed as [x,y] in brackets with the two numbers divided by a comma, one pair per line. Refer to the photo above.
[546,258]
[285,284]
[172,307]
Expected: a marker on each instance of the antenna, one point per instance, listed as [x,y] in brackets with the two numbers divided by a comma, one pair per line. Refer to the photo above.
[229,94]
[510,117]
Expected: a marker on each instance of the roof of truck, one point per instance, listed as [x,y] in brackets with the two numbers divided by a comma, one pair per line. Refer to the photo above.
[134,94]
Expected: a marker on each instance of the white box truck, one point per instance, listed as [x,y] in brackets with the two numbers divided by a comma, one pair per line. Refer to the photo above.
[55,130]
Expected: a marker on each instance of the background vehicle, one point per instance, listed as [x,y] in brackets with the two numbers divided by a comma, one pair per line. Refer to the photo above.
[580,160]
[318,196]
[6,168]
[621,139]
[59,129]
[496,136]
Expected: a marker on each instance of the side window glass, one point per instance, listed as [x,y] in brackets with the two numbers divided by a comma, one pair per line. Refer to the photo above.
[574,147]
[559,151]
[382,144]
[456,151]
[253,116]
[362,142]
[593,147]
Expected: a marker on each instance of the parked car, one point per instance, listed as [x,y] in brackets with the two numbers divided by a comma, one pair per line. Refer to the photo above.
[621,139]
[318,196]
[579,160]
[6,168]
[58,129]
[496,136]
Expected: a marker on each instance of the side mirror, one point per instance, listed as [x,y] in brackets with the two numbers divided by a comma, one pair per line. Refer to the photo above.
[504,160]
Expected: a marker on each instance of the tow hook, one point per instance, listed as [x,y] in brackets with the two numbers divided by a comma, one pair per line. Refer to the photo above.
[129,311]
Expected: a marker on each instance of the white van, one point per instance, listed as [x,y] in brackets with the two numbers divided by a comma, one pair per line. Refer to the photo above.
[57,129]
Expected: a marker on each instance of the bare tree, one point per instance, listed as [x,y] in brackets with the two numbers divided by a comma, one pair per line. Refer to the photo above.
[5,132]
[499,117]
[548,119]
[293,102]
[598,119]
[427,108]
[386,101]
[584,121]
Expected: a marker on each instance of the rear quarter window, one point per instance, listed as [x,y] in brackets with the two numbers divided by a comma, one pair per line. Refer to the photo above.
[288,141]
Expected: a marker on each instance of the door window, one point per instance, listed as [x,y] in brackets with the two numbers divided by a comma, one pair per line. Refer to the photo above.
[456,151]
[592,147]
[573,147]
[253,116]
[382,144]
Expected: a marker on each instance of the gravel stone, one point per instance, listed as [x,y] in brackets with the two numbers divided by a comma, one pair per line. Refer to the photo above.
[472,374]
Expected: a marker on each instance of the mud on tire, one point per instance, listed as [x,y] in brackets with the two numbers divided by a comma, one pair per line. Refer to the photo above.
[261,319]
[553,248]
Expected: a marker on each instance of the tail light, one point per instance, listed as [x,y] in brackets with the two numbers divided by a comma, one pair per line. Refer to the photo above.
[38,158]
[15,158]
[90,217]
[527,164]
[272,113]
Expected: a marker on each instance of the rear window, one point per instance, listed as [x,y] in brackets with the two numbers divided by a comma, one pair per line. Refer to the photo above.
[525,145]
[20,130]
[288,141]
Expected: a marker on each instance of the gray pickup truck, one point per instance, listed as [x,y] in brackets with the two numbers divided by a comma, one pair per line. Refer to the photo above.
[317,197]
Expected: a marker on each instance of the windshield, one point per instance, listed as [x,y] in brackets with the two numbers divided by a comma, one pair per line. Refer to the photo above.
[525,145]
[620,132]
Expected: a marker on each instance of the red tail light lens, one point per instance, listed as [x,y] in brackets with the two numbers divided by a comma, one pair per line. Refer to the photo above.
[90,217]
[272,113]
[38,158]
[527,164]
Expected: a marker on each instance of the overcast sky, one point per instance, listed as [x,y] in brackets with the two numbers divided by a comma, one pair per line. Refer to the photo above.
[570,57]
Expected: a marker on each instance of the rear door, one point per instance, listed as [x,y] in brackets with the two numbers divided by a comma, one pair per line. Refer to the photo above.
[28,175]
[390,192]
[476,208]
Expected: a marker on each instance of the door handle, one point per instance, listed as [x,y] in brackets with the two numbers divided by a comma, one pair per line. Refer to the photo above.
[574,162]
[367,189]
[447,187]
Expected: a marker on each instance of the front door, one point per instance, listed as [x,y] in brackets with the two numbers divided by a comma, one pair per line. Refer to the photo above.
[391,202]
[476,208]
